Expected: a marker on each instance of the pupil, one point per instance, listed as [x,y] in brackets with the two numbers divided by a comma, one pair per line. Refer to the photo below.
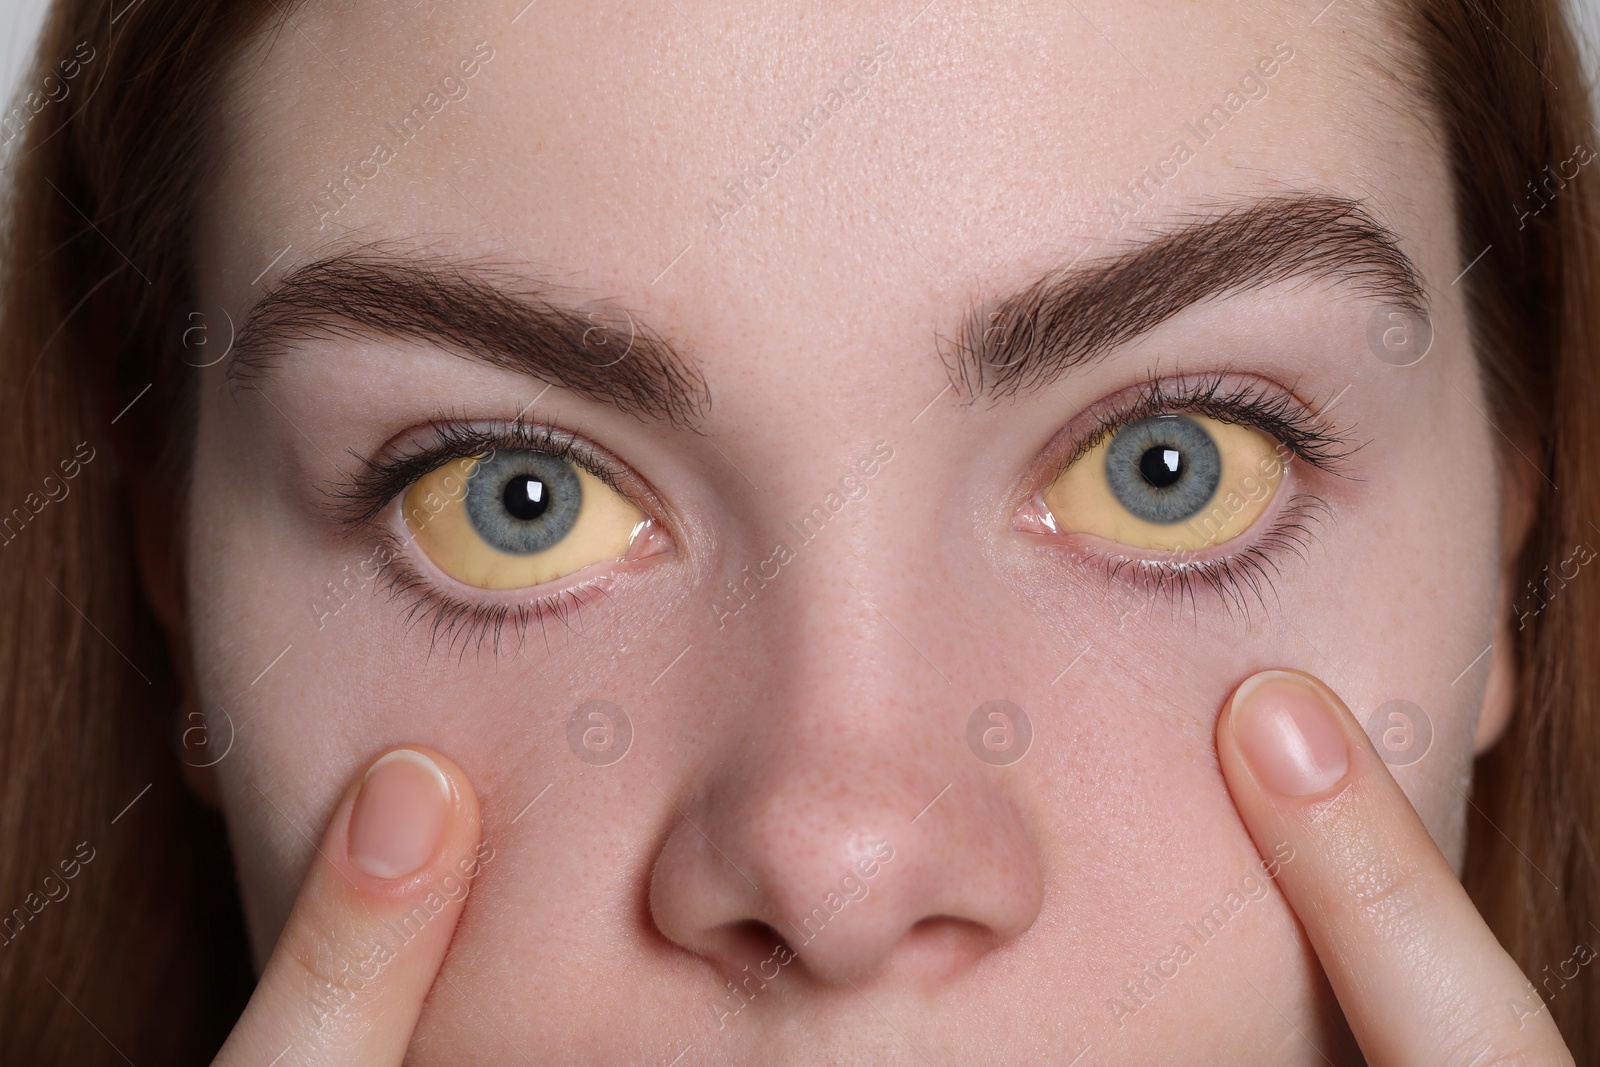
[526,497]
[1161,466]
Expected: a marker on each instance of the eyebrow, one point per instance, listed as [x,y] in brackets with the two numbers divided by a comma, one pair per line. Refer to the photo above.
[1075,316]
[478,310]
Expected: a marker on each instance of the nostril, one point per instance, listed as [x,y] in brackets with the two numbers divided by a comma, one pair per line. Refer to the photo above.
[942,946]
[750,956]
[749,940]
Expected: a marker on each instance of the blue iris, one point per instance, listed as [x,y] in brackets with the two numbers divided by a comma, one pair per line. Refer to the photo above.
[1163,469]
[523,502]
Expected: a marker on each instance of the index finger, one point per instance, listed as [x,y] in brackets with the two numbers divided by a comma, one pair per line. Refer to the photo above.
[348,977]
[1418,973]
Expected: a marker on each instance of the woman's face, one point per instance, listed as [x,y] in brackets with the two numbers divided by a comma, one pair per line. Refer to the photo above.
[834,375]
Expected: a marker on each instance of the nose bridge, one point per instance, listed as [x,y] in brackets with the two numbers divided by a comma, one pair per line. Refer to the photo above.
[865,550]
[832,518]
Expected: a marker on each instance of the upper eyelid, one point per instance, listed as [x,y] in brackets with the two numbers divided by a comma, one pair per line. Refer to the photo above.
[400,462]
[1278,411]
[359,498]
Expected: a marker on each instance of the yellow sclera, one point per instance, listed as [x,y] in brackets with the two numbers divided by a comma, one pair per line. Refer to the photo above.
[436,514]
[1081,499]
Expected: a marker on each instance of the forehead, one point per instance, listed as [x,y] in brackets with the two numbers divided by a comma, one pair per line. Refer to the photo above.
[883,159]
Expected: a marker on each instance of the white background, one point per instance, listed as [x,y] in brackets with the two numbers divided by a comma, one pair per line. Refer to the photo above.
[19,25]
[20,19]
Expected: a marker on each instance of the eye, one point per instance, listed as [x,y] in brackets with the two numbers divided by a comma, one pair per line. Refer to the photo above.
[512,519]
[1173,483]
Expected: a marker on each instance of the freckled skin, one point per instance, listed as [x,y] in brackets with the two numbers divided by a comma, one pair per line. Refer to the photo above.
[774,748]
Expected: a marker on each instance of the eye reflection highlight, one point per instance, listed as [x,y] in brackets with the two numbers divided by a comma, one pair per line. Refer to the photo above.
[1170,483]
[516,519]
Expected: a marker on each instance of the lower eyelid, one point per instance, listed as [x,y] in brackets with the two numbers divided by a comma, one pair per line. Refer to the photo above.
[1238,574]
[458,615]
[458,623]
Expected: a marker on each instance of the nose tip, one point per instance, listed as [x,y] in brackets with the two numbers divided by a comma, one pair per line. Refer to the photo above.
[838,928]
[843,885]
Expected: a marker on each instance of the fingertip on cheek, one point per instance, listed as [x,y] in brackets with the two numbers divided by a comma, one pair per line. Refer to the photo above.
[400,816]
[1289,734]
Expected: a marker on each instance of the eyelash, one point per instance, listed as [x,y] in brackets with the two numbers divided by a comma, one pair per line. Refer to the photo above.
[393,470]
[1247,574]
[1308,436]
[454,621]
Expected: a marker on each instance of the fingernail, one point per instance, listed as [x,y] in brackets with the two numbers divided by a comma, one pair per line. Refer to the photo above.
[400,814]
[1288,733]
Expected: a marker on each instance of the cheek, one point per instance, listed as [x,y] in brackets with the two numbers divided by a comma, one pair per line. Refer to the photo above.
[1401,618]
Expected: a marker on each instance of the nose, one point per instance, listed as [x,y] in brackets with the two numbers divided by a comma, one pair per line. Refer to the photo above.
[847,832]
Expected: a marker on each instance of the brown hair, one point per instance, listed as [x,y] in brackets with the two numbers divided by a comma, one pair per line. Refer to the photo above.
[1514,106]
[144,956]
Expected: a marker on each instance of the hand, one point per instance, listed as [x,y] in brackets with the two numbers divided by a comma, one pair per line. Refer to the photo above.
[349,974]
[1419,975]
